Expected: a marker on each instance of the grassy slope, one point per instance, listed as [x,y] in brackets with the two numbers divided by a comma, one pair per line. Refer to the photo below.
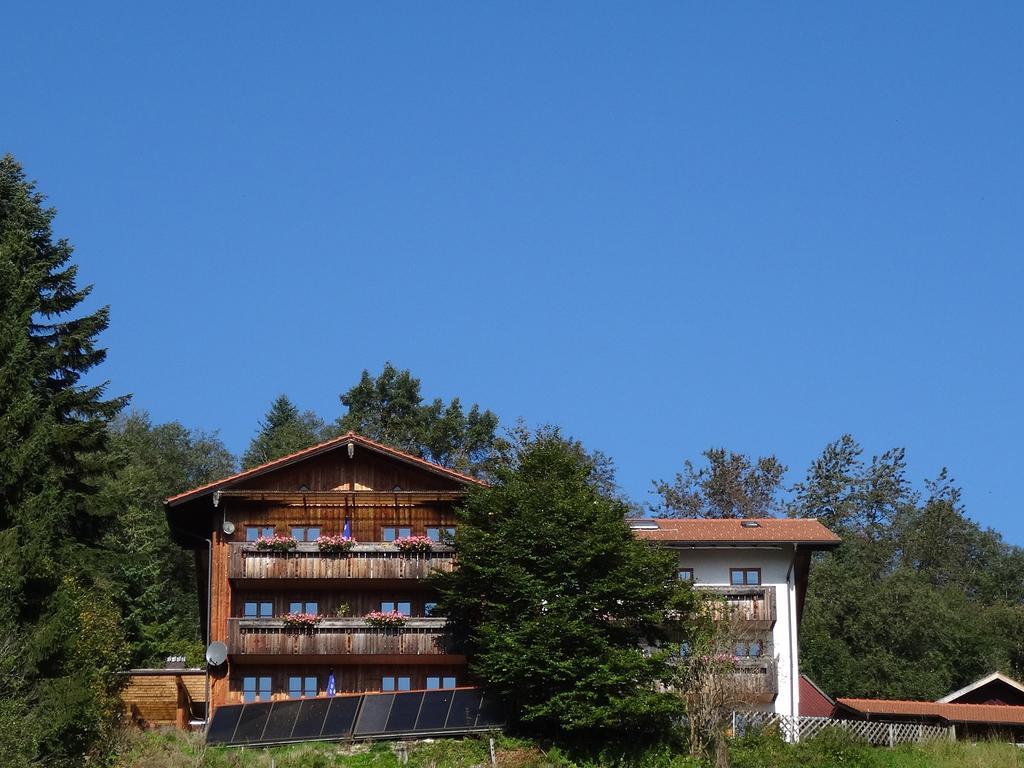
[176,750]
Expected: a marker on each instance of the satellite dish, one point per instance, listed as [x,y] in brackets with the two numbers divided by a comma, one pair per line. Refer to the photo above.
[228,527]
[216,654]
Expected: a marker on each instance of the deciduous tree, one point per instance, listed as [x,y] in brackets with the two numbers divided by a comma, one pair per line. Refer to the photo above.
[554,597]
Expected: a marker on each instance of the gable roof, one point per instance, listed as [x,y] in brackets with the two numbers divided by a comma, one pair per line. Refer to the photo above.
[762,530]
[315,450]
[956,713]
[994,677]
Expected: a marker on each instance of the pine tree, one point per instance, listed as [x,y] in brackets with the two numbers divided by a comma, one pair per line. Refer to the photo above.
[283,430]
[52,451]
[390,409]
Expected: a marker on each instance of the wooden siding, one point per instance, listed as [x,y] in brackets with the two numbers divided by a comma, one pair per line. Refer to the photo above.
[367,470]
[347,679]
[163,699]
[335,638]
[359,602]
[366,520]
[364,562]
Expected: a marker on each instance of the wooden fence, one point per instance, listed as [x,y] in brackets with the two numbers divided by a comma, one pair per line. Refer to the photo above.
[879,734]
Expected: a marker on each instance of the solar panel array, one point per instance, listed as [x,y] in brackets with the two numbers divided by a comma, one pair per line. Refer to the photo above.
[361,716]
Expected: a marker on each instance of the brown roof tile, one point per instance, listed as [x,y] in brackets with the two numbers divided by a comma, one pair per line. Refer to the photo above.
[768,530]
[957,713]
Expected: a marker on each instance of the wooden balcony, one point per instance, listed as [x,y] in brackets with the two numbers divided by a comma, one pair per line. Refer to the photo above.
[757,679]
[364,562]
[345,640]
[755,606]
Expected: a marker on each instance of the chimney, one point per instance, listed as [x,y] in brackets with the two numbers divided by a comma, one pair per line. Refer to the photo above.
[175,662]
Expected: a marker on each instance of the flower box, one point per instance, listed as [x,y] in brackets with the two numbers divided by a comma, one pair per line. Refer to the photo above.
[382,620]
[335,545]
[275,544]
[301,620]
[414,545]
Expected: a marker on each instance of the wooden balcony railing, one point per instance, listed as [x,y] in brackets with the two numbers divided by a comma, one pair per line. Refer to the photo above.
[757,678]
[336,637]
[365,561]
[755,605]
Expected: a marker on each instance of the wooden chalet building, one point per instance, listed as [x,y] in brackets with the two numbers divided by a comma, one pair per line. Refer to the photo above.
[246,592]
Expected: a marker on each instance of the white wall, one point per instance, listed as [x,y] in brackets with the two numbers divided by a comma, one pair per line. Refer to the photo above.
[711,567]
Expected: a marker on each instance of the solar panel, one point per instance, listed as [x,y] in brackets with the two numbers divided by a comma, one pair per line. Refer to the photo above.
[310,720]
[465,708]
[281,721]
[490,715]
[341,717]
[251,723]
[373,716]
[434,712]
[222,726]
[403,712]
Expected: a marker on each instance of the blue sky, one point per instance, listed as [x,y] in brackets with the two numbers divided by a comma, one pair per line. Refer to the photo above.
[661,226]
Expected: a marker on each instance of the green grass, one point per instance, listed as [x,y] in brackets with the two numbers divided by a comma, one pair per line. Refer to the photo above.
[172,749]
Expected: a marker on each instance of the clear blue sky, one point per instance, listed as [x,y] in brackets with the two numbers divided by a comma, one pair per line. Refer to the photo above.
[661,226]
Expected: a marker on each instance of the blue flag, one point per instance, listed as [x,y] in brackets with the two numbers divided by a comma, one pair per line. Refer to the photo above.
[347,530]
[330,685]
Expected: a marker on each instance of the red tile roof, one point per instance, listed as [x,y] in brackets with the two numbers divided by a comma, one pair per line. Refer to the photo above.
[767,530]
[956,713]
[313,450]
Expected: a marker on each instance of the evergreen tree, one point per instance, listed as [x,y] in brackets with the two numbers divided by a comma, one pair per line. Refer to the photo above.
[52,452]
[729,485]
[554,597]
[284,430]
[155,579]
[390,409]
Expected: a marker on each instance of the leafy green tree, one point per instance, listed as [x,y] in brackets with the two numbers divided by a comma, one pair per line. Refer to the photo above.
[554,596]
[283,430]
[390,409]
[155,579]
[52,454]
[729,485]
[918,600]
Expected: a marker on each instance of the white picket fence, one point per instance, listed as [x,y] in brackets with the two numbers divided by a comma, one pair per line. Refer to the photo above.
[879,734]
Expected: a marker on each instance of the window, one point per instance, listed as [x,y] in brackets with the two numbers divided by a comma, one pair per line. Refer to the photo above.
[301,686]
[403,607]
[253,532]
[753,649]
[390,534]
[257,610]
[744,577]
[305,534]
[428,609]
[434,683]
[297,607]
[255,689]
[685,574]
[395,684]
[444,535]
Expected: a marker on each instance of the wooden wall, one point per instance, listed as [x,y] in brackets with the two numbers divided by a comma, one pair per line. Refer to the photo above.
[360,602]
[163,699]
[367,470]
[366,521]
[347,679]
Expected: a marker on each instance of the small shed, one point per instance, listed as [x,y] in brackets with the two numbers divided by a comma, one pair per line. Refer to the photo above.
[995,689]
